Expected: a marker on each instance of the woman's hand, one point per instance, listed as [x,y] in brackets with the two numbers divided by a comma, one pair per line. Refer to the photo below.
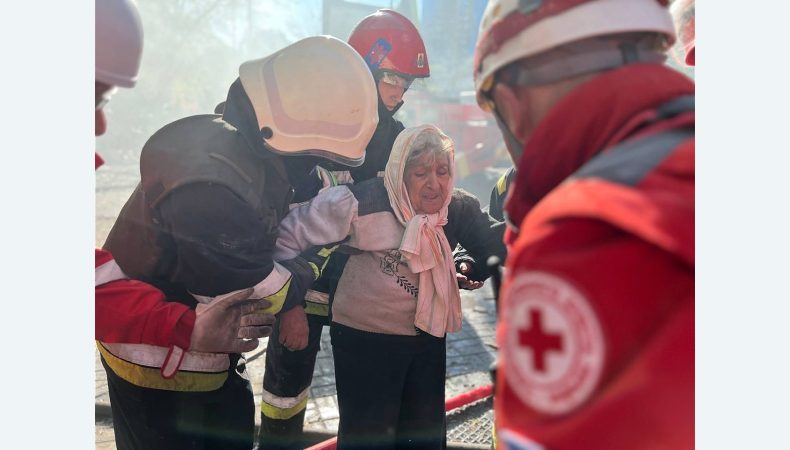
[463,281]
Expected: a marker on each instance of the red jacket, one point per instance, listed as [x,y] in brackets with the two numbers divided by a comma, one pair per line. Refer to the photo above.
[596,328]
[133,312]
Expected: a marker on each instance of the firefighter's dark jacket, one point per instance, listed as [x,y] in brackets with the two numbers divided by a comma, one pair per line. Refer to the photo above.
[204,218]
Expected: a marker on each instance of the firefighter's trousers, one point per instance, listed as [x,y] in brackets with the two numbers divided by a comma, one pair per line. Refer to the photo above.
[286,385]
[154,419]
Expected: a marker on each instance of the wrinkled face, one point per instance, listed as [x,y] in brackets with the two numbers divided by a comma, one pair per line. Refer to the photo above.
[428,182]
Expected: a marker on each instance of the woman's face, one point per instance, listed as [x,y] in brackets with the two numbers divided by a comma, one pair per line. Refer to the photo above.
[428,182]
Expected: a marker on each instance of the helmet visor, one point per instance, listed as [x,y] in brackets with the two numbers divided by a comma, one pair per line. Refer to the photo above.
[396,80]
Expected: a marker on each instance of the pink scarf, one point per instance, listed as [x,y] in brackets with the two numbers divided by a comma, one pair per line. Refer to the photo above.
[424,244]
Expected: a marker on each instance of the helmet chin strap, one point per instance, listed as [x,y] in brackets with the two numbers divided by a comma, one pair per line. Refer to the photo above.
[377,74]
[511,141]
[578,58]
[298,166]
[587,56]
[397,107]
[383,111]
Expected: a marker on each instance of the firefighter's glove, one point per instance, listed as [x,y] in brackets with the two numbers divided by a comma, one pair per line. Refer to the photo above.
[231,323]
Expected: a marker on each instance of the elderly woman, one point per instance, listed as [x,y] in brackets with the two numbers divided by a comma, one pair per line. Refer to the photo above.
[398,295]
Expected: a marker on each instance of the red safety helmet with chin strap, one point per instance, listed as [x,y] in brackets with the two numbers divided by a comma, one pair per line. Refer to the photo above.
[390,44]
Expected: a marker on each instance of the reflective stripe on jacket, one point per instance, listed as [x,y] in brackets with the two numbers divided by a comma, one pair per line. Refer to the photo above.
[170,369]
[158,367]
[283,408]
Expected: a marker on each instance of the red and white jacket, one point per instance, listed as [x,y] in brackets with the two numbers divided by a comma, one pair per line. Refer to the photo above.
[596,325]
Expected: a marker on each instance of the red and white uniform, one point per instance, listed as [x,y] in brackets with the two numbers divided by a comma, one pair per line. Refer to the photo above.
[134,312]
[596,326]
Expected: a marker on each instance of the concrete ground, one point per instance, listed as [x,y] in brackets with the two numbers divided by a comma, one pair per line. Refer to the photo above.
[470,353]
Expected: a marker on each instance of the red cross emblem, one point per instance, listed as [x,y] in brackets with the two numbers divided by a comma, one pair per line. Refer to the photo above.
[554,348]
[538,340]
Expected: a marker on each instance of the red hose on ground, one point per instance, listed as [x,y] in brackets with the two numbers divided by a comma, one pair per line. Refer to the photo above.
[449,405]
[329,444]
[469,397]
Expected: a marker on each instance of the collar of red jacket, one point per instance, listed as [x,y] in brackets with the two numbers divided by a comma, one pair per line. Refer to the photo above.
[99,161]
[594,116]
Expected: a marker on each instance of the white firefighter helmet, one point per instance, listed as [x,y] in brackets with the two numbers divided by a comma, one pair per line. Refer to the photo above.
[119,42]
[514,29]
[316,97]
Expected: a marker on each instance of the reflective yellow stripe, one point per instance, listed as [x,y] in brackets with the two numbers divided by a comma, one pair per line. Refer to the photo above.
[501,184]
[326,251]
[273,282]
[150,377]
[327,175]
[344,176]
[317,309]
[316,270]
[277,299]
[273,412]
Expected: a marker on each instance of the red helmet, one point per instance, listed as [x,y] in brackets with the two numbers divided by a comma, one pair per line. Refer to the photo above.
[389,42]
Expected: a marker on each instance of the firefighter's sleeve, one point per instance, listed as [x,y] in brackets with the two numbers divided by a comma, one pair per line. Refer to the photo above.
[134,312]
[326,219]
[496,205]
[222,245]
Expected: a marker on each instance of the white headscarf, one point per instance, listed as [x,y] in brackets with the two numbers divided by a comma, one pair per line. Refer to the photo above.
[424,244]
